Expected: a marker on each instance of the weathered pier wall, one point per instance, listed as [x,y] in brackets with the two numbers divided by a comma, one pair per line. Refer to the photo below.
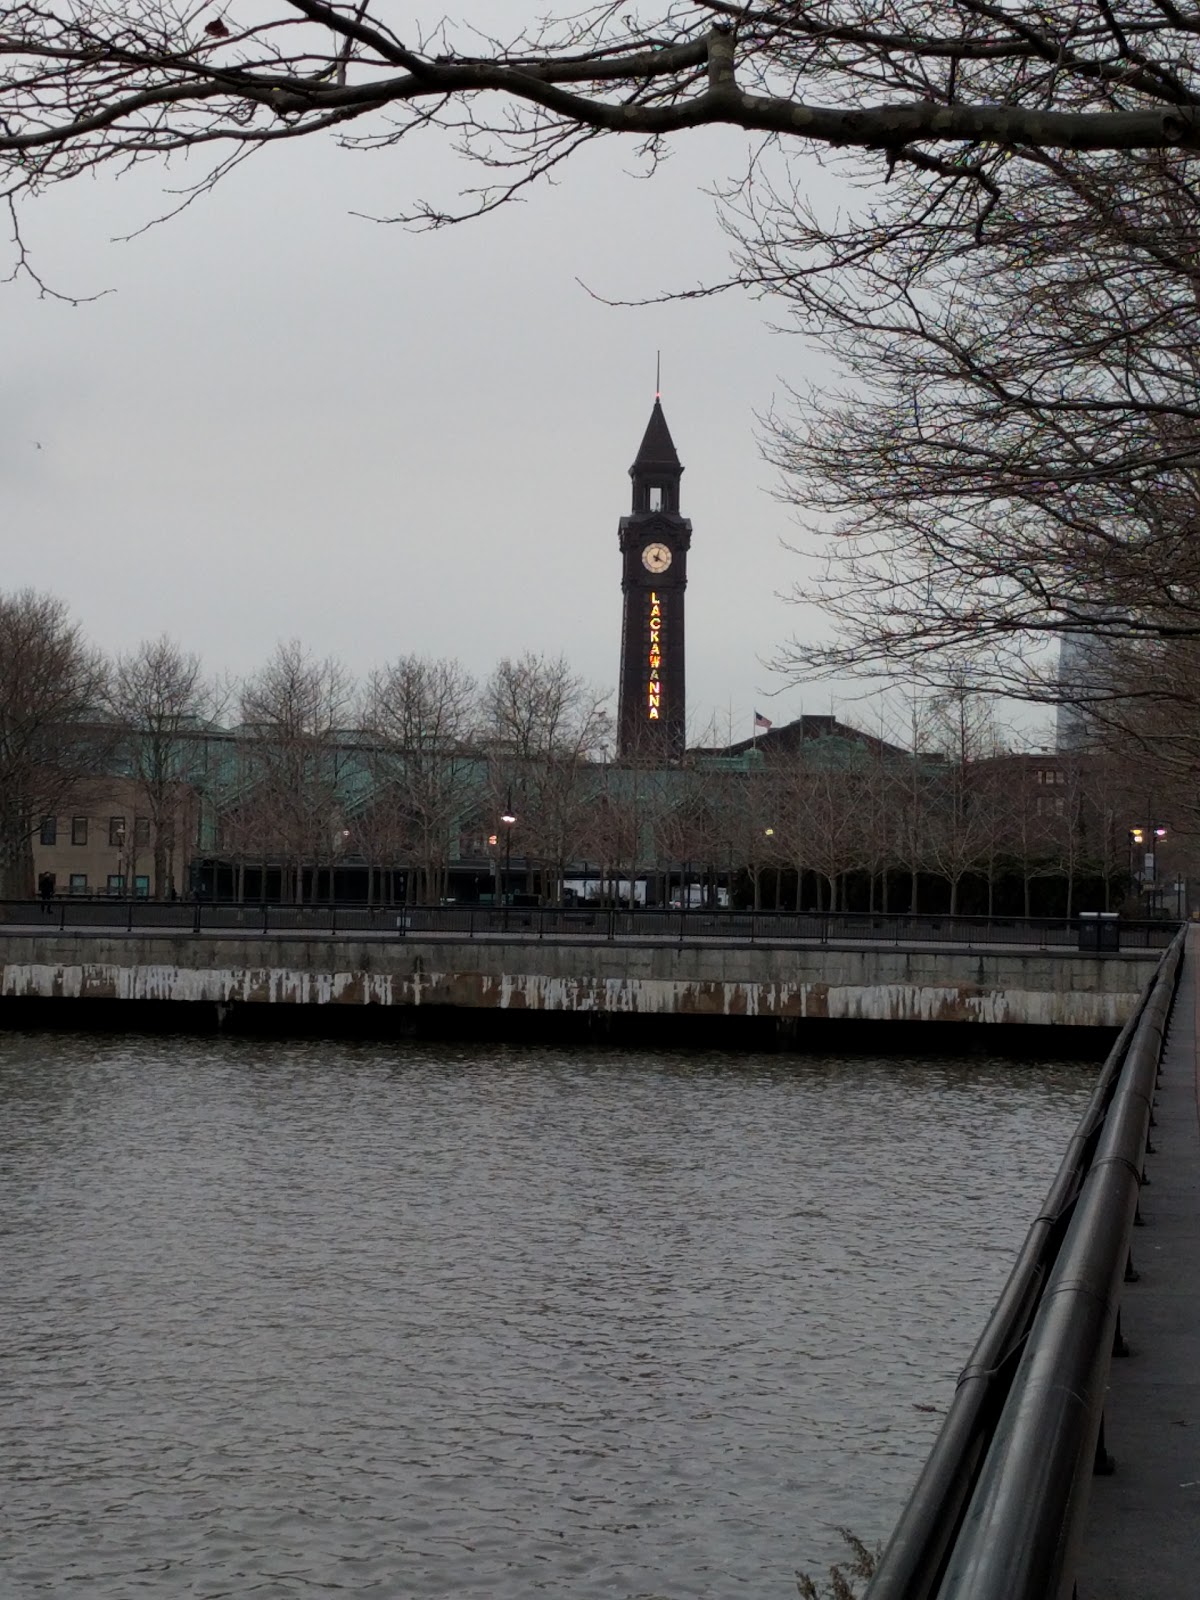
[655,978]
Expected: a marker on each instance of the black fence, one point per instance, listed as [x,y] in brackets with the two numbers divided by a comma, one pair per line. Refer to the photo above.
[583,923]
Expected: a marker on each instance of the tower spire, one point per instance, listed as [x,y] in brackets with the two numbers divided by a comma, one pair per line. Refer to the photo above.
[657,449]
[658,374]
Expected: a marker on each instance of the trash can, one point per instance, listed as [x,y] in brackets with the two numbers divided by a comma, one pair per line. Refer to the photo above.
[1099,931]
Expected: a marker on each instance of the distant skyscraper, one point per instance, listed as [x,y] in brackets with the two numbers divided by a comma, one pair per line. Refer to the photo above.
[1083,665]
[654,540]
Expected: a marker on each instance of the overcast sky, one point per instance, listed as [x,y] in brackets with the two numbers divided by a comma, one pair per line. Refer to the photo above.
[286,420]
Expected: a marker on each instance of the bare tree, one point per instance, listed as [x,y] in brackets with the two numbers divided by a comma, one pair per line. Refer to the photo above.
[695,830]
[1029,824]
[558,823]
[292,711]
[932,86]
[422,714]
[960,816]
[816,800]
[161,700]
[911,782]
[536,706]
[542,725]
[1014,455]
[378,826]
[877,823]
[53,687]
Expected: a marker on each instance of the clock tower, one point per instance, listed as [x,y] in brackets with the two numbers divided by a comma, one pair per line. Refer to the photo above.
[654,542]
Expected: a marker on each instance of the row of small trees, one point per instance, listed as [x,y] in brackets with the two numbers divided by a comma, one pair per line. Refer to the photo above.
[834,821]
[839,827]
[270,756]
[304,768]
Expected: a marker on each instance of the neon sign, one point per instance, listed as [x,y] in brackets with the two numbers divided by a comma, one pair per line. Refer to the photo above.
[654,658]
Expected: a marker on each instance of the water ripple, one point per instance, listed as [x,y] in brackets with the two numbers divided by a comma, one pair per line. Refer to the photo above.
[294,1320]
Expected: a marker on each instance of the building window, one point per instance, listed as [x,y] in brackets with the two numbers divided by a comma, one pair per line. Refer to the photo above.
[49,830]
[79,832]
[141,832]
[656,497]
[141,886]
[79,883]
[116,883]
[116,832]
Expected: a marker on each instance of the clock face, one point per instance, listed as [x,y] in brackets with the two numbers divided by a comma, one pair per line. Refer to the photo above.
[656,558]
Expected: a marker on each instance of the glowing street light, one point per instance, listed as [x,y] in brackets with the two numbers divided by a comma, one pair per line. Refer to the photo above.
[508,817]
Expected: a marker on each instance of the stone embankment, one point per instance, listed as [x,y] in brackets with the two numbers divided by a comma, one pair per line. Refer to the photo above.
[793,983]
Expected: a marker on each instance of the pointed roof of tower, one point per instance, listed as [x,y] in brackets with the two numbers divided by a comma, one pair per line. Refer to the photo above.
[657,448]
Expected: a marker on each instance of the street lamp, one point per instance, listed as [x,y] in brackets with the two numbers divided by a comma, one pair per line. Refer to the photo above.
[756,866]
[1137,841]
[1146,842]
[507,817]
[1156,833]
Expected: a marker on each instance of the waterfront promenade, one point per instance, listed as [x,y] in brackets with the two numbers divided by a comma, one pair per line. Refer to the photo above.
[1142,1536]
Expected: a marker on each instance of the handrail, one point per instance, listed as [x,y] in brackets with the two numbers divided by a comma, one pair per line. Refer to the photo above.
[1007,1471]
[608,923]
[1017,1543]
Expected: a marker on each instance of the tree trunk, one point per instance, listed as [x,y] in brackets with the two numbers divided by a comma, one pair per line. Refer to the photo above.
[160,862]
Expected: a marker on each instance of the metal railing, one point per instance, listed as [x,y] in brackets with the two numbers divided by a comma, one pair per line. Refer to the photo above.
[589,923]
[998,1508]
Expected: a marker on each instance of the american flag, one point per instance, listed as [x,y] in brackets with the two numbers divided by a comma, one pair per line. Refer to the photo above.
[762,722]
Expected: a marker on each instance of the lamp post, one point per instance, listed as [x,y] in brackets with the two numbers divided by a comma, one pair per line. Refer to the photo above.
[1137,839]
[768,835]
[1156,833]
[507,817]
[1146,842]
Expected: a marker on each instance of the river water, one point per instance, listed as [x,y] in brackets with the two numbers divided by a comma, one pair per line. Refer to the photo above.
[289,1320]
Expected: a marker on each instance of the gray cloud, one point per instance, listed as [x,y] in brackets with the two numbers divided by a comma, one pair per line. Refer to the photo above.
[288,421]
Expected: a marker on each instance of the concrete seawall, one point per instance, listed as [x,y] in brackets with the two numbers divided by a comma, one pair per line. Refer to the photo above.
[656,978]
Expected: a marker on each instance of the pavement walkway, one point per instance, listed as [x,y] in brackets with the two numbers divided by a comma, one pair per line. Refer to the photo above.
[1142,1536]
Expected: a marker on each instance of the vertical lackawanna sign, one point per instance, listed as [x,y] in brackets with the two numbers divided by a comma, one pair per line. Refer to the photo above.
[654,660]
